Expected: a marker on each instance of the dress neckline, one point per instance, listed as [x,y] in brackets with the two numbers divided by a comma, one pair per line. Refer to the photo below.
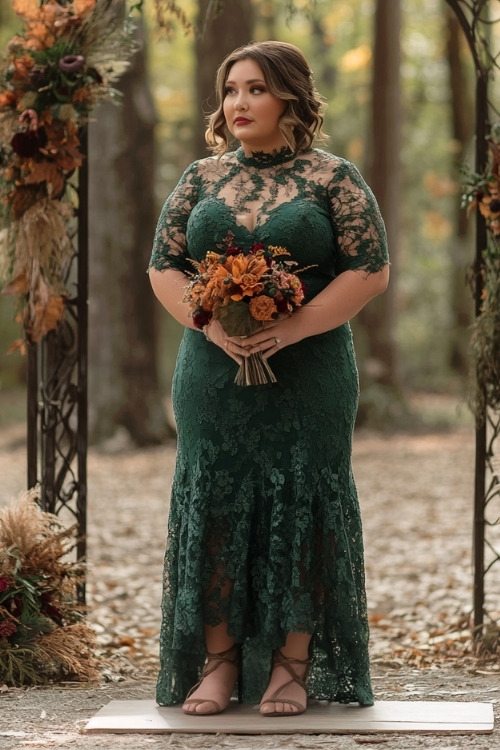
[263,159]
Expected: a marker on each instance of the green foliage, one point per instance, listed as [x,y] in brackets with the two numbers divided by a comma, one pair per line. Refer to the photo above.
[18,666]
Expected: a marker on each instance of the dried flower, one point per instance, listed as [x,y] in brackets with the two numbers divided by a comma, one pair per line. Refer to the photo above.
[44,75]
[263,308]
[26,143]
[7,628]
[42,635]
[71,63]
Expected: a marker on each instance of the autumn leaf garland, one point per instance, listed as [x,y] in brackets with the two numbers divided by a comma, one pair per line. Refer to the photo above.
[52,76]
[482,192]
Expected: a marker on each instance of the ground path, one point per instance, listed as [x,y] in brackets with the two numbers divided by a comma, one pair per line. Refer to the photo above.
[416,498]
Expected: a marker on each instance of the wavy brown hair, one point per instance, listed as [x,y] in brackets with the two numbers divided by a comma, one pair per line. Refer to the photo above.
[288,77]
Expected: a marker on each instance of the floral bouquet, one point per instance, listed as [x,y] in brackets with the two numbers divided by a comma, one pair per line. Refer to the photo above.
[244,291]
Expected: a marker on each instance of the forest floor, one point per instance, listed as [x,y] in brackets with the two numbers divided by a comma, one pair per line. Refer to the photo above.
[416,498]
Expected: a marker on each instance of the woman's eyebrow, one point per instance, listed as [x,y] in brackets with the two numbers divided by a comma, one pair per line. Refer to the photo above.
[252,80]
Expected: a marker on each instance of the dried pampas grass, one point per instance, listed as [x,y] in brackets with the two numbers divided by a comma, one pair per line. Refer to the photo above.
[43,637]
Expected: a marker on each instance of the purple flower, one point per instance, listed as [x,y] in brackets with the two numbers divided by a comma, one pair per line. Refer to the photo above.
[71,63]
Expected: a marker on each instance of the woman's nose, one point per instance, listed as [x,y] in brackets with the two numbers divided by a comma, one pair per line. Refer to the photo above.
[240,102]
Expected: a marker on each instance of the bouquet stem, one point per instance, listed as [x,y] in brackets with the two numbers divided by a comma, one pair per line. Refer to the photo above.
[254,370]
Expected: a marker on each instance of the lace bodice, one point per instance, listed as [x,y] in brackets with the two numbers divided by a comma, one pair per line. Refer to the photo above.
[317,204]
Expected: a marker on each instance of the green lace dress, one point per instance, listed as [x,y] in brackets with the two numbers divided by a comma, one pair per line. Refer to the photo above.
[264,526]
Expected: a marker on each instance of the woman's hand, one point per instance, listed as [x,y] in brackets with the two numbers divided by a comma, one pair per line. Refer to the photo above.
[233,346]
[271,338]
[339,301]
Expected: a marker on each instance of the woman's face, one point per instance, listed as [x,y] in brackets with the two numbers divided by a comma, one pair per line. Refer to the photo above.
[252,113]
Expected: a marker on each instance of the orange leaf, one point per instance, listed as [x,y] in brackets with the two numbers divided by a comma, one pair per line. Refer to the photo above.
[18,344]
[46,172]
[46,317]
[19,285]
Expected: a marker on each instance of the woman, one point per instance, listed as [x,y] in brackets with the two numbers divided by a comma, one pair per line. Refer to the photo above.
[264,578]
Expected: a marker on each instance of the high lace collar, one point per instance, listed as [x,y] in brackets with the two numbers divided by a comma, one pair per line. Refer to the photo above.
[262,159]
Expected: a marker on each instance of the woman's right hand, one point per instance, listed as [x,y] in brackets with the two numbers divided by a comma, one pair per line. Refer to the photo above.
[217,335]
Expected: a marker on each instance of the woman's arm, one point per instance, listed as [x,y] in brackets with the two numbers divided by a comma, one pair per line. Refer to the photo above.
[169,287]
[340,301]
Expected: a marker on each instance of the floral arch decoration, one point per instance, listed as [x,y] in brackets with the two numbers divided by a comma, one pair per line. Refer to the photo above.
[52,76]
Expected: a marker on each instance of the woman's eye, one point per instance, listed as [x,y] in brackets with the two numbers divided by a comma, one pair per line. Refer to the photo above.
[228,91]
[257,90]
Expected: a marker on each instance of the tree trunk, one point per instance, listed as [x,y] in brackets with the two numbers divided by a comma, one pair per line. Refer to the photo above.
[379,366]
[123,372]
[462,109]
[232,27]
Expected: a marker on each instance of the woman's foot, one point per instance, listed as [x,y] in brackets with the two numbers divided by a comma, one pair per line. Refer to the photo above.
[211,695]
[286,694]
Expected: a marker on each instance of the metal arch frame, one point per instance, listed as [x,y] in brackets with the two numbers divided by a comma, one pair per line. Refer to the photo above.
[57,375]
[473,16]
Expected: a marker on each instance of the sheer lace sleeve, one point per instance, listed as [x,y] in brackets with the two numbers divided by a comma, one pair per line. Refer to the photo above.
[358,224]
[169,246]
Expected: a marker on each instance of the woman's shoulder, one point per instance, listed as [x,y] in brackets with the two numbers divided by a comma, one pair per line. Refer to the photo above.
[335,171]
[325,160]
[208,165]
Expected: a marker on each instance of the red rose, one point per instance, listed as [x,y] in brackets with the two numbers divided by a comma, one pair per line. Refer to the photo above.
[256,247]
[201,318]
[4,583]
[281,305]
[26,143]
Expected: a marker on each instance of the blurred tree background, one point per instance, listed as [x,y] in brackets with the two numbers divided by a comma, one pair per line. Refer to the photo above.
[399,81]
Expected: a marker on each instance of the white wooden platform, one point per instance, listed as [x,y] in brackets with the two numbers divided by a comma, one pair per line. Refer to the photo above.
[439,717]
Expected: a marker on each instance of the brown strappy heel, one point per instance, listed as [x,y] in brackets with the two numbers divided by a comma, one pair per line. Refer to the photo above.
[280,660]
[213,662]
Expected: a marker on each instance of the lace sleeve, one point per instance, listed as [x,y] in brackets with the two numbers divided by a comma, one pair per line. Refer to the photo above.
[357,222]
[169,246]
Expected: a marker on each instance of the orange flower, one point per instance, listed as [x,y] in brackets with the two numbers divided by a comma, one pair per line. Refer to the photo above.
[83,96]
[83,7]
[22,67]
[262,308]
[7,99]
[40,36]
[29,9]
[277,250]
[247,272]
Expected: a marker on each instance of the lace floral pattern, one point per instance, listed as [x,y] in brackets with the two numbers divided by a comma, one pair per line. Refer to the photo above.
[264,527]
